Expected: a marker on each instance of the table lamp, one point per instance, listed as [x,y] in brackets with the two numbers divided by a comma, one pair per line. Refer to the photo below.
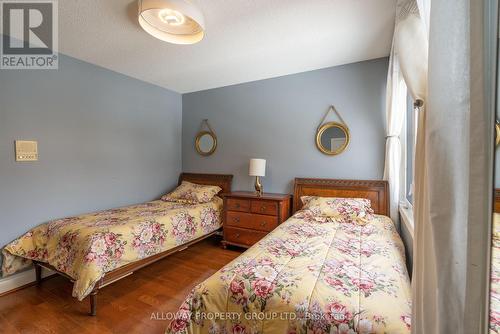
[257,168]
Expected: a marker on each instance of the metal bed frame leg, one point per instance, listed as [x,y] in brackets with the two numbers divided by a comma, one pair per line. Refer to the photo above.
[93,303]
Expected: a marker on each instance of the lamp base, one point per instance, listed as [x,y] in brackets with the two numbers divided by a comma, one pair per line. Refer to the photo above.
[258,186]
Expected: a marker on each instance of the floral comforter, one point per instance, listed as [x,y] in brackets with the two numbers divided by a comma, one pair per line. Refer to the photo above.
[88,246]
[495,277]
[309,275]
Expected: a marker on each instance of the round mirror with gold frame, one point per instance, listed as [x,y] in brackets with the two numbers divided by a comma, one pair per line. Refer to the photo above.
[206,143]
[332,138]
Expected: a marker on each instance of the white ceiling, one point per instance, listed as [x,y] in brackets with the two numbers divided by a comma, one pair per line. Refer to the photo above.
[245,40]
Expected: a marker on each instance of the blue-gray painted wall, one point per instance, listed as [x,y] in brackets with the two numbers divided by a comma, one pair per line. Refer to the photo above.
[104,140]
[276,119]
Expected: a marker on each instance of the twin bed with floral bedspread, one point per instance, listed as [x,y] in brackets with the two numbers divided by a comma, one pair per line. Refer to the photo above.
[88,246]
[340,273]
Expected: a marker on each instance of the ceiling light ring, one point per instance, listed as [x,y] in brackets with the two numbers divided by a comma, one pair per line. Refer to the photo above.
[167,15]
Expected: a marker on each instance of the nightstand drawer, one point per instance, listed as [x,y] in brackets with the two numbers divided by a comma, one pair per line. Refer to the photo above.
[251,221]
[241,236]
[264,207]
[236,204]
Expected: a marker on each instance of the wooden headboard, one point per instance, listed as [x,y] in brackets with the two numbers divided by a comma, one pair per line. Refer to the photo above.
[376,191]
[222,180]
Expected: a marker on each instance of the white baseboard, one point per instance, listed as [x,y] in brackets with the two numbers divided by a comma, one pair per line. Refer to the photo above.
[17,280]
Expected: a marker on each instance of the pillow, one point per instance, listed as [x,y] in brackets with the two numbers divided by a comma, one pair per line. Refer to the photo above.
[192,193]
[347,209]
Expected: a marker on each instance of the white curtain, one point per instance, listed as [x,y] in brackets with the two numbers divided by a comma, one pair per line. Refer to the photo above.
[410,42]
[407,70]
[452,176]
[424,9]
[395,113]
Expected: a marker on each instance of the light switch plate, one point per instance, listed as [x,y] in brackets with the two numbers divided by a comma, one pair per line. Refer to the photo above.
[26,150]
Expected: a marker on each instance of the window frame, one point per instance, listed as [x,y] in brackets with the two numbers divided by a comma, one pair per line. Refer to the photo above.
[405,206]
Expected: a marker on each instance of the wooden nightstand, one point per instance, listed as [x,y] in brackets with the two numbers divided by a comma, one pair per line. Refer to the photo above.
[248,217]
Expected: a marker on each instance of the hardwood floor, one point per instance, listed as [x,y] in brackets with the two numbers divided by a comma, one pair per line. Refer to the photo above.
[123,307]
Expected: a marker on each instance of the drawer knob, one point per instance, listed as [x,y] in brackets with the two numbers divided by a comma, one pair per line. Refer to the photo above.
[263,224]
[237,235]
[237,205]
[262,208]
[236,219]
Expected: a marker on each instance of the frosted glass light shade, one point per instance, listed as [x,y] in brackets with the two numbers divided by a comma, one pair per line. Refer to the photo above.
[173,21]
[257,167]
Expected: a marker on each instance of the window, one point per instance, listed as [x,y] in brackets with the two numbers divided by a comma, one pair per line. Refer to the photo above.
[408,143]
[411,138]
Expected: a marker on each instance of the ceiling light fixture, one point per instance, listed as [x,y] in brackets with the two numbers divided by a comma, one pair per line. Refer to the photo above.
[173,21]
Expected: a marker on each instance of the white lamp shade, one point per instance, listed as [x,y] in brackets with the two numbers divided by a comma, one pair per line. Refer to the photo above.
[173,21]
[257,167]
